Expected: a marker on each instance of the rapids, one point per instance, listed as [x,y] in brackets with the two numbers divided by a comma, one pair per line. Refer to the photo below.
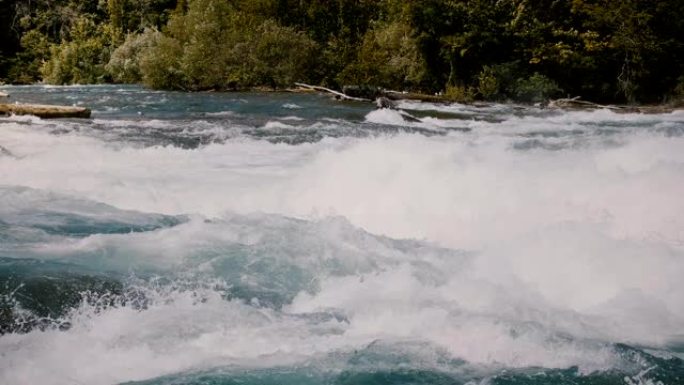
[275,238]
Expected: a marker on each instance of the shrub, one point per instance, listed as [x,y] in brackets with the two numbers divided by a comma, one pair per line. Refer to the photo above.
[160,65]
[459,93]
[679,88]
[215,46]
[388,57]
[124,64]
[27,65]
[81,58]
[537,88]
[282,55]
[487,83]
[497,82]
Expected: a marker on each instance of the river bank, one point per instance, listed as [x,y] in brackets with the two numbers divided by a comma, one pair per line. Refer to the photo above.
[20,105]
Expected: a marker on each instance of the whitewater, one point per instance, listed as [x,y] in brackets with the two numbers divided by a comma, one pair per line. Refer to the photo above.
[279,238]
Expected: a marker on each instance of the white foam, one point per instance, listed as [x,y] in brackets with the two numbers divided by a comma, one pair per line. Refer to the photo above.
[401,118]
[382,291]
[123,344]
[147,123]
[221,113]
[199,330]
[461,191]
[276,125]
[295,118]
[586,241]
[457,108]
[29,119]
[386,116]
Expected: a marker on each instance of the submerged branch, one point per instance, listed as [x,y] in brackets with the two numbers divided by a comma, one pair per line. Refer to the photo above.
[328,90]
[576,103]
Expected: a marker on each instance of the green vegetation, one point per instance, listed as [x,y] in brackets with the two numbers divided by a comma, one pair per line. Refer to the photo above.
[603,50]
[215,45]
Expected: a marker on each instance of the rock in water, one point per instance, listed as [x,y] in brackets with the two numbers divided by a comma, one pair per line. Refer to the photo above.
[383,102]
[5,152]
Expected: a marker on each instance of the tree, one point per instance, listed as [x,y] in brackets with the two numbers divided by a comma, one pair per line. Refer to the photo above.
[216,45]
[81,58]
[389,57]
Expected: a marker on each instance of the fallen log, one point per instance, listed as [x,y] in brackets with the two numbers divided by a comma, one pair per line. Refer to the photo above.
[397,95]
[45,111]
[386,99]
[389,94]
[577,104]
[336,93]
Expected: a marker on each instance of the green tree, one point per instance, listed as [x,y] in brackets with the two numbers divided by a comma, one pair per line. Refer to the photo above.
[640,43]
[389,57]
[124,63]
[216,45]
[81,58]
[160,65]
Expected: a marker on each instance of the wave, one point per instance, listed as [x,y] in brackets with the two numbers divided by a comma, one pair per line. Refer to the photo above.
[267,292]
[57,214]
[353,371]
[404,119]
[479,245]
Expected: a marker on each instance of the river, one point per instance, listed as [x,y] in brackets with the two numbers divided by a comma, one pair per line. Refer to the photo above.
[276,238]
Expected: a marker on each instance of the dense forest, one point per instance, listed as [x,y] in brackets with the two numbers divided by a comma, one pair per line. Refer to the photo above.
[603,50]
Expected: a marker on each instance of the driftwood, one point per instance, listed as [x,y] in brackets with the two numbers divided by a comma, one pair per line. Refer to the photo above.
[397,95]
[385,99]
[374,93]
[576,103]
[336,93]
[581,104]
[44,111]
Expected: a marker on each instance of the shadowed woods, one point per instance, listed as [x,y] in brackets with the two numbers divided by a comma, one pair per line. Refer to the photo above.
[601,50]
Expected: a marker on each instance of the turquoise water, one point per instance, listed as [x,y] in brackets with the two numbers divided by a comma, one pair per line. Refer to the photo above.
[276,238]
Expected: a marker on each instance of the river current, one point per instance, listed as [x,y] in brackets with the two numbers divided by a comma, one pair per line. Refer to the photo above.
[277,238]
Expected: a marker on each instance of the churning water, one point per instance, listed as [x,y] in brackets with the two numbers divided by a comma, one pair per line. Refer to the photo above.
[290,239]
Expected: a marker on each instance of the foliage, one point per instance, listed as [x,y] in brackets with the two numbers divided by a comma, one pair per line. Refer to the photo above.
[488,83]
[216,46]
[79,59]
[679,88]
[160,66]
[499,81]
[389,57]
[124,63]
[28,62]
[537,88]
[603,50]
[282,55]
[459,93]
